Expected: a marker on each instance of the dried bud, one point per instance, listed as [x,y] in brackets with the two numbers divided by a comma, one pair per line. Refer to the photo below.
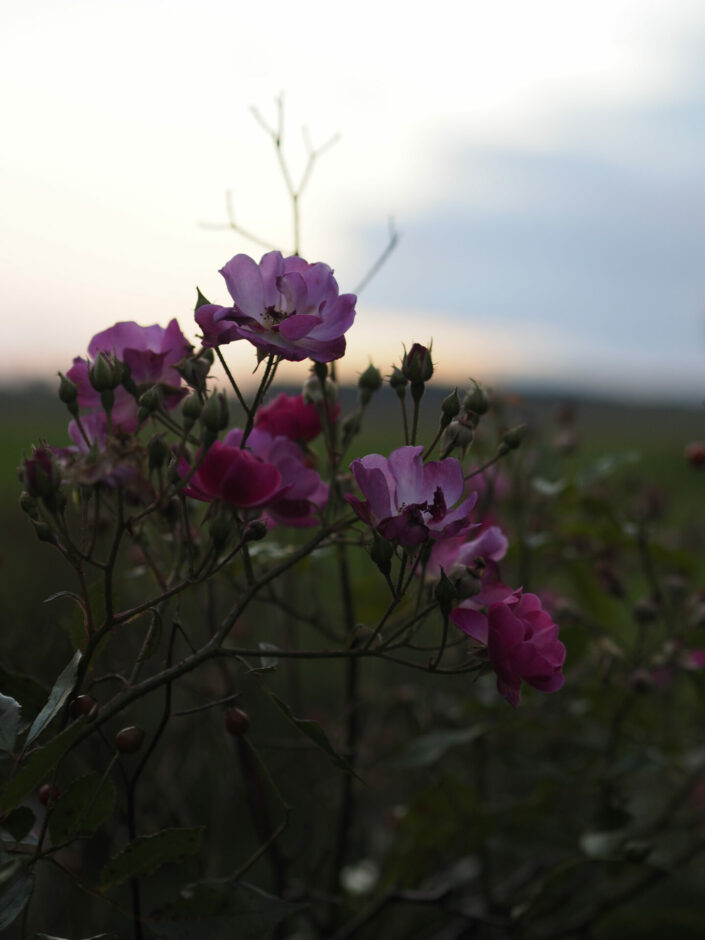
[476,400]
[417,365]
[215,415]
[312,392]
[129,740]
[458,435]
[237,722]
[466,582]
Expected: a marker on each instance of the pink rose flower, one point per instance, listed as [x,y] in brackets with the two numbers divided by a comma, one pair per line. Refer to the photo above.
[233,475]
[290,416]
[521,639]
[302,494]
[408,501]
[150,353]
[284,306]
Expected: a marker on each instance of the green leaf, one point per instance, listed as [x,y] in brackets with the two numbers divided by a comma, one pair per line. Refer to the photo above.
[313,731]
[82,808]
[9,722]
[429,748]
[16,884]
[38,766]
[57,698]
[19,822]
[24,689]
[221,910]
[77,622]
[148,853]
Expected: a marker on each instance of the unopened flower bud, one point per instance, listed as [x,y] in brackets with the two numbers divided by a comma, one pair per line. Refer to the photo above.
[68,393]
[106,373]
[129,740]
[417,365]
[191,410]
[237,722]
[159,452]
[370,381]
[215,415]
[256,530]
[381,553]
[28,504]
[450,408]
[44,532]
[313,394]
[512,438]
[41,473]
[196,369]
[476,400]
[398,382]
[149,402]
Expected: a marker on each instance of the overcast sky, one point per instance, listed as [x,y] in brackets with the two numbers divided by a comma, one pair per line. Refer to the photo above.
[542,161]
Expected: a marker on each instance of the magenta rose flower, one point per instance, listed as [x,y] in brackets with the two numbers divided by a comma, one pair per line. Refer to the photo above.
[408,501]
[302,494]
[150,353]
[233,475]
[521,639]
[284,306]
[290,416]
